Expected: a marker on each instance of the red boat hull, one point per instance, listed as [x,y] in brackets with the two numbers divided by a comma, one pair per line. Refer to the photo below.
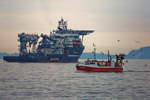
[101,69]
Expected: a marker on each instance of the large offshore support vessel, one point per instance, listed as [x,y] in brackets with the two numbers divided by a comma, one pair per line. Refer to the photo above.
[62,45]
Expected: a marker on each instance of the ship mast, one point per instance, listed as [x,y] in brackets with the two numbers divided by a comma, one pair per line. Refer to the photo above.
[62,25]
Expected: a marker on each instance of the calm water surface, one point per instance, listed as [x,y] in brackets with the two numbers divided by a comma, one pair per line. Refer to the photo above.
[60,81]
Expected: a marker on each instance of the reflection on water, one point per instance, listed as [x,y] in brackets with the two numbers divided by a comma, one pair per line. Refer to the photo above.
[60,81]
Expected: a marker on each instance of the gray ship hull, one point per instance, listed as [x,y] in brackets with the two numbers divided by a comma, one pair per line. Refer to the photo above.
[52,58]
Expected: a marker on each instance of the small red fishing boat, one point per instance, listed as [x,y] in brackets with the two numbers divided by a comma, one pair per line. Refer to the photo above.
[102,66]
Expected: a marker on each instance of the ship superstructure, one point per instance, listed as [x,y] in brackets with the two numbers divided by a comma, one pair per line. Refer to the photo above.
[62,45]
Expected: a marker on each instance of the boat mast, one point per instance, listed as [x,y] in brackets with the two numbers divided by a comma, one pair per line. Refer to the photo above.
[108,56]
[94,52]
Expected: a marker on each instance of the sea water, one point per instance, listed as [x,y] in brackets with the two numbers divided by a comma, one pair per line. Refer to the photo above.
[61,81]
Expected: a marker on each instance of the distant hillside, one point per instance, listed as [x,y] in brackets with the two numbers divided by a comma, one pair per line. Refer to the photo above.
[90,55]
[6,54]
[142,53]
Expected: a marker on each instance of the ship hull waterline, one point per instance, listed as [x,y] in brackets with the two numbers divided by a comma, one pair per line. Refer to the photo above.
[101,69]
[40,59]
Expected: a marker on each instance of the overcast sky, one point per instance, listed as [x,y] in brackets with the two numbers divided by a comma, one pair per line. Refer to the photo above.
[112,20]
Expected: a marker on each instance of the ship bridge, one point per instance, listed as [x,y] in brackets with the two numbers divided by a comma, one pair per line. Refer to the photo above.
[62,29]
[80,32]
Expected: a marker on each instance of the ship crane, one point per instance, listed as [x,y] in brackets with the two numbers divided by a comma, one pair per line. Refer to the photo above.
[27,39]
